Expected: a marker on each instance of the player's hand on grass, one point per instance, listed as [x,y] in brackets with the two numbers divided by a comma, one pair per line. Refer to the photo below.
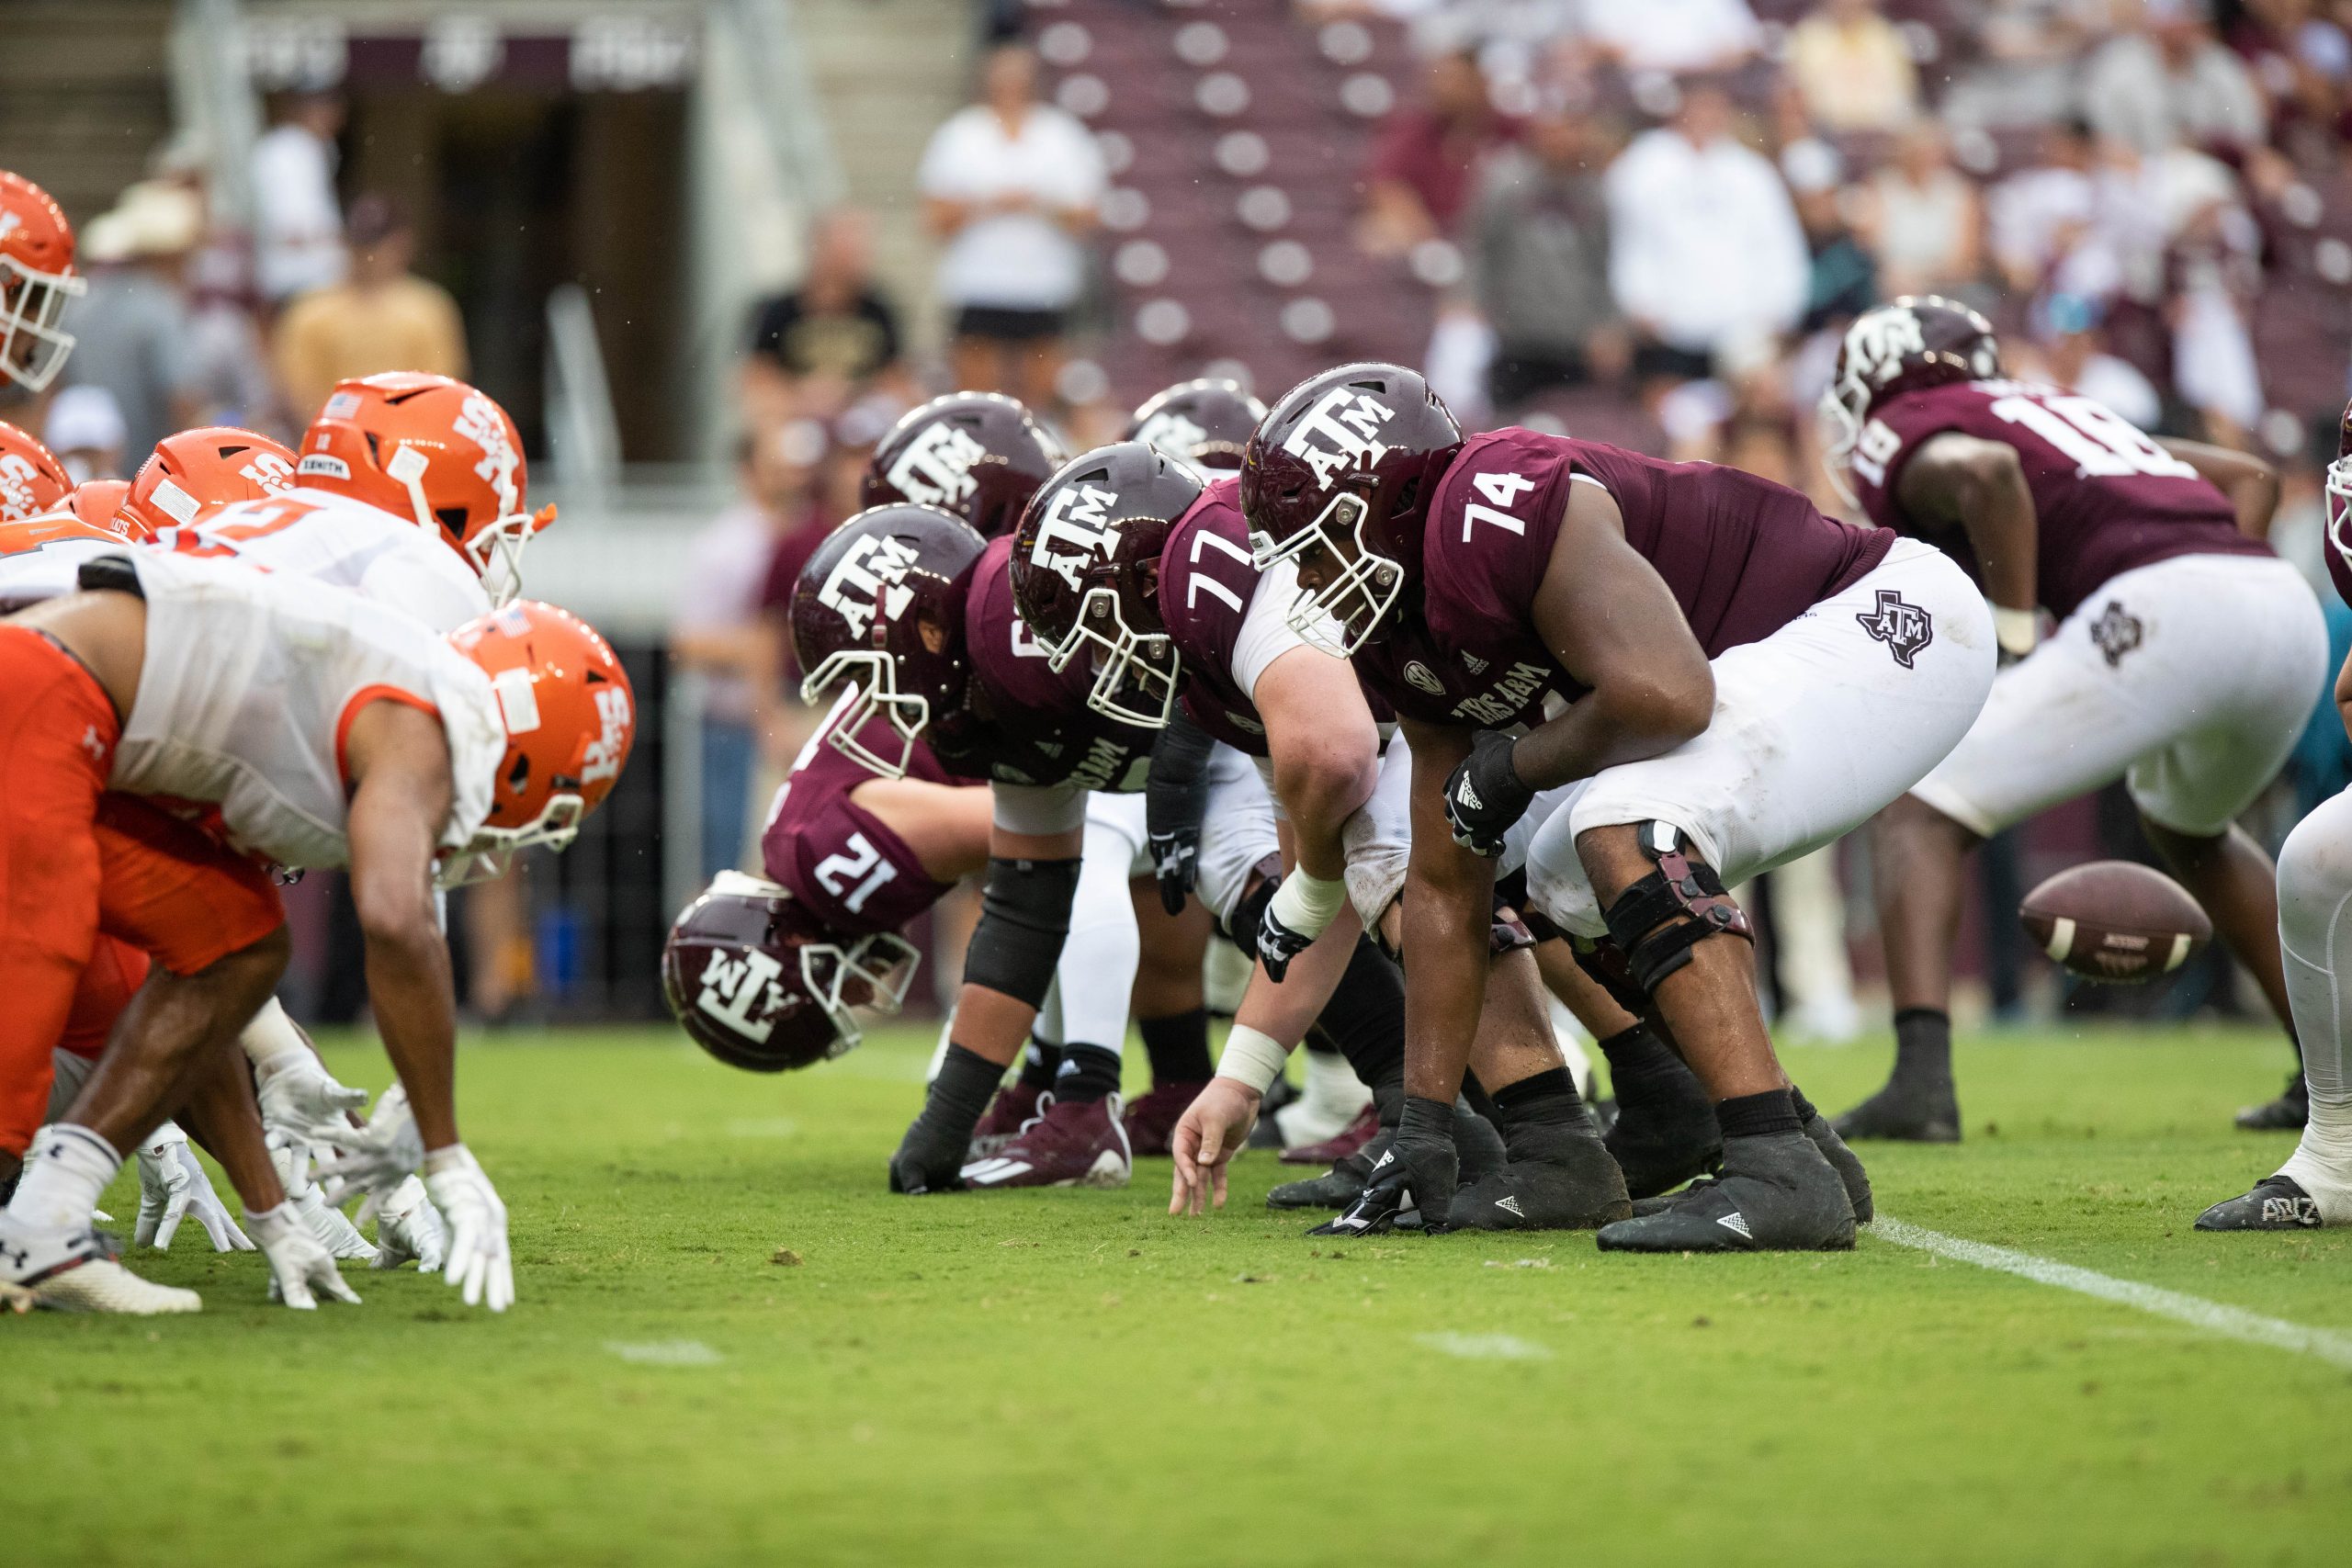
[297,1095]
[409,1226]
[478,1262]
[337,1235]
[1213,1129]
[172,1188]
[370,1161]
[301,1270]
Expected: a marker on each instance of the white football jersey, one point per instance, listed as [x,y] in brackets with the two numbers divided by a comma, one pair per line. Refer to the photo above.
[347,544]
[27,577]
[247,692]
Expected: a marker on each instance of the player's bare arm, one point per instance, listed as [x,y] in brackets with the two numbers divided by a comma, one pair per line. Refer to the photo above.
[1980,487]
[2251,484]
[398,763]
[1325,748]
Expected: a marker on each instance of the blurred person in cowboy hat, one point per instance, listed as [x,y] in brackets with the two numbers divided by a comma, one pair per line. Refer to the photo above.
[132,325]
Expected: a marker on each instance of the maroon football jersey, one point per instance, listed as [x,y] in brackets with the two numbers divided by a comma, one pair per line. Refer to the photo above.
[2106,498]
[1029,725]
[842,864]
[1742,556]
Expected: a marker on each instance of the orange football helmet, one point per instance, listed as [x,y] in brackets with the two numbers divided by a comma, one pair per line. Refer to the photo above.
[569,717]
[97,503]
[31,479]
[198,472]
[436,450]
[36,279]
[51,526]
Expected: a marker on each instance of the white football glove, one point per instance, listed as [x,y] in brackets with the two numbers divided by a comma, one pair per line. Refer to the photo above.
[373,1159]
[301,1268]
[172,1188]
[337,1235]
[298,1094]
[407,1226]
[479,1261]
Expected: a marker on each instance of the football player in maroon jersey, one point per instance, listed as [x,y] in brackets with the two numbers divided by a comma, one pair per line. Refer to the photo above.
[1130,563]
[2149,557]
[1717,677]
[2314,1187]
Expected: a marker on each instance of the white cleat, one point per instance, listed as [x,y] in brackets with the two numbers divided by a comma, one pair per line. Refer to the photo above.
[74,1270]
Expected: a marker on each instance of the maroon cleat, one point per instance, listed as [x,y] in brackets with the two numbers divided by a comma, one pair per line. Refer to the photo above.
[1152,1119]
[1015,1106]
[1081,1144]
[1331,1151]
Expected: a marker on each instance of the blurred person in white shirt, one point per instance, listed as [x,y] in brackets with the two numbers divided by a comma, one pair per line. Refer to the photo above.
[298,219]
[1674,36]
[1011,185]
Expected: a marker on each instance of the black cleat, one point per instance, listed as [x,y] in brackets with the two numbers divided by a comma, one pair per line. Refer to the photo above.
[1558,1178]
[1776,1194]
[1392,1200]
[2277,1203]
[2285,1114]
[1664,1135]
[1336,1188]
[1847,1165]
[1905,1112]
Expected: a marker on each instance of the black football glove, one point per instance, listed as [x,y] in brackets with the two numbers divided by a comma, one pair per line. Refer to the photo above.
[1175,860]
[1413,1184]
[1484,796]
[1278,944]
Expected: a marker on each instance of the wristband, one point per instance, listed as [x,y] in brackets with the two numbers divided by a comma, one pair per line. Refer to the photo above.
[1253,1057]
[449,1157]
[1308,905]
[2016,630]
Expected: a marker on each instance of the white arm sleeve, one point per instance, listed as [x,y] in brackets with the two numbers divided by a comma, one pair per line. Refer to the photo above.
[1266,632]
[1038,810]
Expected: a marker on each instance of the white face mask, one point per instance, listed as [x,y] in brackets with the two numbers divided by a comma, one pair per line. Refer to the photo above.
[1341,616]
[33,351]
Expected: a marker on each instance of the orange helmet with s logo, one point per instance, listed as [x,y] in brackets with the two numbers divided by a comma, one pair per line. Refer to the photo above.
[37,278]
[570,717]
[31,479]
[196,473]
[433,450]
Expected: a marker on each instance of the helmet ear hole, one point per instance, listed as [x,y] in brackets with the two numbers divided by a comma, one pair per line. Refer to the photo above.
[454,519]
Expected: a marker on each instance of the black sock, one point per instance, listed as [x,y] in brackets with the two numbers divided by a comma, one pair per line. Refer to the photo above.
[1474,1096]
[1089,1072]
[1039,1063]
[1802,1106]
[1923,1046]
[1758,1115]
[1637,1056]
[1545,1099]
[1178,1046]
[958,1096]
[1426,1121]
[1364,1020]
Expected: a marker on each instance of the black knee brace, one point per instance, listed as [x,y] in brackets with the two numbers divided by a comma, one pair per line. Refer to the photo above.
[1024,916]
[1660,919]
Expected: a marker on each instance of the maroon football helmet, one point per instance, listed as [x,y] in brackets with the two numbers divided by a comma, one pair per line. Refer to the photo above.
[1343,467]
[1911,343]
[881,605]
[1205,422]
[1086,573]
[757,988]
[978,455]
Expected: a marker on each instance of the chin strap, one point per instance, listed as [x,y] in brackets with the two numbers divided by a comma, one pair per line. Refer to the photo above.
[1658,921]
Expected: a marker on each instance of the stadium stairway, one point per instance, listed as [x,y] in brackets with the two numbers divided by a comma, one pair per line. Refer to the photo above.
[83,95]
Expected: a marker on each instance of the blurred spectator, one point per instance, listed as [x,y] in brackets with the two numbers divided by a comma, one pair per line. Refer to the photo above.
[84,429]
[1851,66]
[1673,37]
[2041,213]
[2169,82]
[1425,165]
[2213,276]
[818,348]
[1842,280]
[1920,218]
[1538,260]
[2065,350]
[2302,62]
[1010,183]
[1684,200]
[384,318]
[297,222]
[225,344]
[2027,57]
[717,633]
[132,325]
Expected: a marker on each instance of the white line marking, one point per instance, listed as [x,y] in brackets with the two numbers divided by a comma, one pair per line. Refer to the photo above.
[1484,1347]
[667,1353]
[2229,1322]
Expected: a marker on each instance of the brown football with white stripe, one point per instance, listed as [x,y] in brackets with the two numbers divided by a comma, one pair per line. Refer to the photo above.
[2116,921]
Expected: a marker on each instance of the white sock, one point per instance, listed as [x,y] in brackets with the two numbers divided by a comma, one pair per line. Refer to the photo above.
[65,1170]
[2321,1162]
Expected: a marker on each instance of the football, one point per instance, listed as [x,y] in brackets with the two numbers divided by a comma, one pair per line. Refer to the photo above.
[2115,921]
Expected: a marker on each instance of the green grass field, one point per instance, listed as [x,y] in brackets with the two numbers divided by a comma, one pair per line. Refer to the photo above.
[1074,1378]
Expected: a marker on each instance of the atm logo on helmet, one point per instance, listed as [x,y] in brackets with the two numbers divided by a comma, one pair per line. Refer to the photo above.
[1342,431]
[869,582]
[1077,516]
[742,994]
[936,467]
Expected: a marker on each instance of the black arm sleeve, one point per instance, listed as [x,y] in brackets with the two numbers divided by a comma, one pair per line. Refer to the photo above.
[1177,797]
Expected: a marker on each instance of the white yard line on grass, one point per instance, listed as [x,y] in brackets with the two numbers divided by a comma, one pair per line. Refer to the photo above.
[2229,1322]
